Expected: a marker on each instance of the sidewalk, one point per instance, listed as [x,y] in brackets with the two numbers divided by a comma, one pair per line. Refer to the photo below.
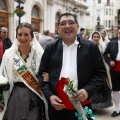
[105,114]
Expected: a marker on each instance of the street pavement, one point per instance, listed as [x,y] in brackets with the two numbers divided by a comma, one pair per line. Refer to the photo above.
[105,114]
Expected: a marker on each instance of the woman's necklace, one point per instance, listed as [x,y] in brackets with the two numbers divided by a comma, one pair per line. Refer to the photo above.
[24,56]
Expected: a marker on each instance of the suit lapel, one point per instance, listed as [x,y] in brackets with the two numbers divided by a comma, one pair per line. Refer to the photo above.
[79,59]
[116,48]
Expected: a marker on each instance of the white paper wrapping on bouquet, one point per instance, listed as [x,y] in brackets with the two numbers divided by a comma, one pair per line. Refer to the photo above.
[78,107]
[75,103]
[3,80]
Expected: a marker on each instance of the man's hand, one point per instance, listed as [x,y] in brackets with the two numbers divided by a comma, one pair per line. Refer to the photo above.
[82,95]
[112,63]
[1,106]
[56,102]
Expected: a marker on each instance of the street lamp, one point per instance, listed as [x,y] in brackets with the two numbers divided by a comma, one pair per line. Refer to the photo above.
[19,9]
[112,29]
[118,14]
[98,23]
[75,11]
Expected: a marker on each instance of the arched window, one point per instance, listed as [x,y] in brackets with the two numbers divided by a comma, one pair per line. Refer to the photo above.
[3,14]
[56,21]
[35,18]
[36,12]
[3,6]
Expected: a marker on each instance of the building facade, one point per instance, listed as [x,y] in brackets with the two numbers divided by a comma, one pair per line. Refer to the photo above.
[42,14]
[106,10]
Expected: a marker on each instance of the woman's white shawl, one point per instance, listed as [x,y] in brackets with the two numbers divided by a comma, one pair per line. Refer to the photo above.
[6,68]
[106,41]
[101,44]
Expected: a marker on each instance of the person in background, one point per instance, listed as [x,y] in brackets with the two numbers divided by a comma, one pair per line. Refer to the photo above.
[81,34]
[45,39]
[6,40]
[106,41]
[1,49]
[86,37]
[37,35]
[70,56]
[112,57]
[102,99]
[24,99]
[104,37]
[115,37]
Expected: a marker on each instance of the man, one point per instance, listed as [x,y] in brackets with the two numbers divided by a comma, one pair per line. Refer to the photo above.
[45,39]
[71,57]
[6,41]
[1,49]
[115,37]
[112,57]
[81,34]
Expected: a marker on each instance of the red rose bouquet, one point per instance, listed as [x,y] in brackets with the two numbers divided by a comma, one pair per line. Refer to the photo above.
[71,91]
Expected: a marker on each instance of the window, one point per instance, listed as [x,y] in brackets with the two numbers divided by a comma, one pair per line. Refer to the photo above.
[99,1]
[106,11]
[3,5]
[109,23]
[106,23]
[109,11]
[108,2]
[87,13]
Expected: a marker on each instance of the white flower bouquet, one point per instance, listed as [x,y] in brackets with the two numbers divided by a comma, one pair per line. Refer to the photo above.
[71,91]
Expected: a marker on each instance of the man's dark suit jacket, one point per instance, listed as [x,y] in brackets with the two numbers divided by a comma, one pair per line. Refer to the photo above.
[114,38]
[112,49]
[90,68]
[6,44]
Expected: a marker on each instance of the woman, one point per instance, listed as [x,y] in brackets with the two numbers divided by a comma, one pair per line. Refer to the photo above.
[104,37]
[106,41]
[102,99]
[20,64]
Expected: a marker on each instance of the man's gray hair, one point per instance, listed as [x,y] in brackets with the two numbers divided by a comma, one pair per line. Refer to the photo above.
[3,28]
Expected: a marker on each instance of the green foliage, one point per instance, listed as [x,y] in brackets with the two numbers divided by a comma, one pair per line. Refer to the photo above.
[88,31]
[70,87]
[18,12]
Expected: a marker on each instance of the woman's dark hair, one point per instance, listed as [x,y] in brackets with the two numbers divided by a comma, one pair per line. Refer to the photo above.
[95,33]
[27,25]
[67,14]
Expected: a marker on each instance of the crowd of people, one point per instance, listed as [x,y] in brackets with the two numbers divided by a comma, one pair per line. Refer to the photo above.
[35,64]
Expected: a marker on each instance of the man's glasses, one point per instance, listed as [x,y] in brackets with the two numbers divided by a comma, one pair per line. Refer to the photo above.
[5,32]
[70,23]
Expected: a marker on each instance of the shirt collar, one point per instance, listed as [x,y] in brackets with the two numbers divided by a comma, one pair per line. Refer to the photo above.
[75,43]
[118,41]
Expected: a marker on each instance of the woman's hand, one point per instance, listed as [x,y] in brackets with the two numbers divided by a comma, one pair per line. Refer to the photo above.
[108,55]
[1,106]
[45,76]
